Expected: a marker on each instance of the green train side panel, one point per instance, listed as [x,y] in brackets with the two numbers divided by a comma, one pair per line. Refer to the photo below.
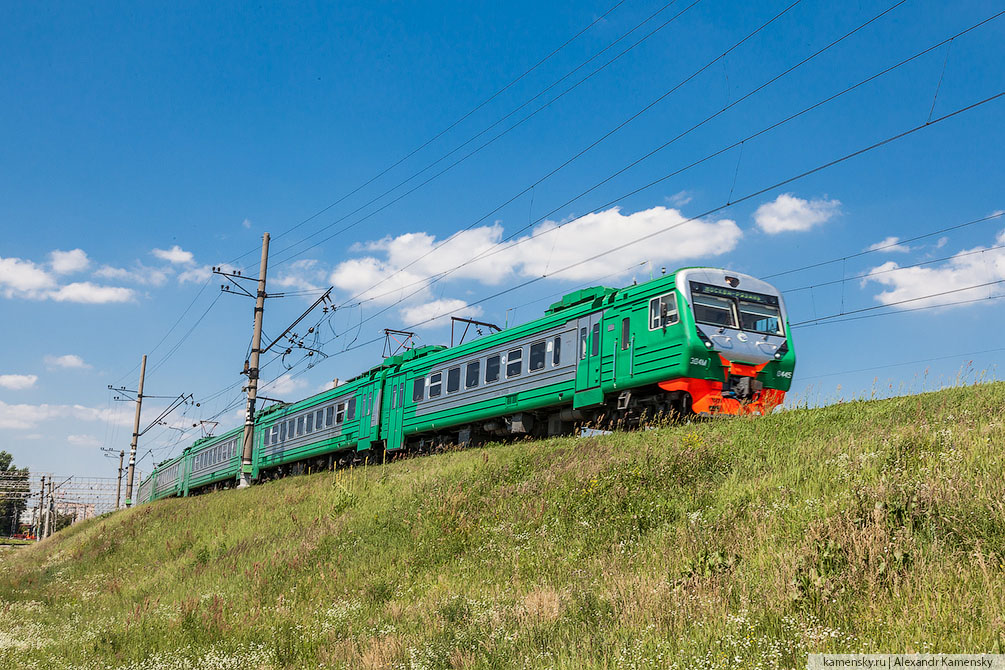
[213,459]
[338,436]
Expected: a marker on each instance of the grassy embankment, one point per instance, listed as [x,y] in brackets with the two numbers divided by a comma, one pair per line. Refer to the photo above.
[874,526]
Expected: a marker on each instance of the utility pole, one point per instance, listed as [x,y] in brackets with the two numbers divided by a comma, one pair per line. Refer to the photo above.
[256,350]
[41,506]
[251,366]
[136,434]
[118,482]
[48,513]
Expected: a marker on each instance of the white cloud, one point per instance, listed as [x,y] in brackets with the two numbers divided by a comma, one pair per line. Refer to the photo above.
[941,243]
[69,361]
[86,292]
[549,248]
[24,417]
[890,244]
[789,213]
[140,274]
[680,198]
[18,382]
[67,262]
[23,279]
[196,274]
[976,267]
[303,275]
[283,385]
[438,310]
[174,255]
[246,223]
[84,441]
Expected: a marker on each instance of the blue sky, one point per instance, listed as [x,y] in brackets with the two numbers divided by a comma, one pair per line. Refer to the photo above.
[142,145]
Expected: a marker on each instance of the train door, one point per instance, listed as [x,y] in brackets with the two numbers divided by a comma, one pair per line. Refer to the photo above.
[369,415]
[623,349]
[588,391]
[396,411]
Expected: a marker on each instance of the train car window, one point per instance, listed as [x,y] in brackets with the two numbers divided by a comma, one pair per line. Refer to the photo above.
[556,353]
[319,419]
[268,438]
[595,347]
[663,311]
[491,369]
[291,429]
[352,406]
[300,426]
[282,432]
[582,343]
[310,422]
[394,396]
[669,309]
[330,416]
[713,310]
[418,389]
[760,318]
[453,379]
[626,333]
[340,412]
[401,395]
[537,353]
[275,434]
[471,374]
[435,381]
[514,363]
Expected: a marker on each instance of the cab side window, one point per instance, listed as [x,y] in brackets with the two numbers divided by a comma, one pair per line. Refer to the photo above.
[663,311]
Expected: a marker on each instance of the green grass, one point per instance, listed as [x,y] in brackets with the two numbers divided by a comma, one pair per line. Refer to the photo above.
[865,526]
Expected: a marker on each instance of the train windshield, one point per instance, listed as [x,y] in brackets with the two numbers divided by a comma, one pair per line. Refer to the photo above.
[733,308]
[714,311]
[760,318]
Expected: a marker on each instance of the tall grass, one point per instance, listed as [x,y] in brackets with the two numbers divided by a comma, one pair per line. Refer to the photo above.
[864,526]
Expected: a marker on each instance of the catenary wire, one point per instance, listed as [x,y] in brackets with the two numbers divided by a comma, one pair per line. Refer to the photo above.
[621,125]
[423,283]
[994,215]
[520,122]
[876,273]
[895,365]
[754,194]
[898,302]
[450,127]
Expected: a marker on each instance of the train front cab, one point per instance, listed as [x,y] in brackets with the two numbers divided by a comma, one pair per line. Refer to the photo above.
[741,358]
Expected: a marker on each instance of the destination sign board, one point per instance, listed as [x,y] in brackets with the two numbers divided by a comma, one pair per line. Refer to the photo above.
[726,292]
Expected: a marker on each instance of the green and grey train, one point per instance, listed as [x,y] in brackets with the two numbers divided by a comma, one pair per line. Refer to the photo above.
[700,340]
